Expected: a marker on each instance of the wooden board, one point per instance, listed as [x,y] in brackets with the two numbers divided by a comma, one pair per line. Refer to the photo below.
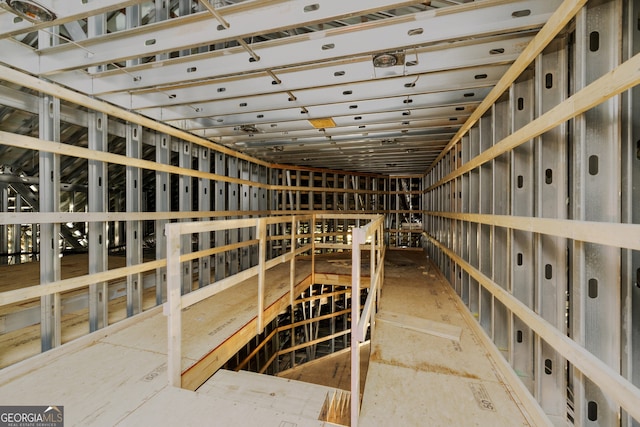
[178,407]
[263,391]
[333,370]
[97,385]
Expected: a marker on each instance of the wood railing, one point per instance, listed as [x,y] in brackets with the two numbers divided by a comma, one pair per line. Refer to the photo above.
[360,321]
[176,301]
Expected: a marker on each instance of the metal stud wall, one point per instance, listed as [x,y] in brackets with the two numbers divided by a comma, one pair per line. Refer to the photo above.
[505,215]
[630,212]
[531,211]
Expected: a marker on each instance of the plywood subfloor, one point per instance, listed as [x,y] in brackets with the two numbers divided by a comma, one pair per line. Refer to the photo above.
[104,377]
[234,399]
[117,376]
[417,378]
[23,343]
[333,370]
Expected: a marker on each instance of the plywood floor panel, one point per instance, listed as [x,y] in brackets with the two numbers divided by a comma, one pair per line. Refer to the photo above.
[416,378]
[333,370]
[120,378]
[96,385]
[413,378]
[176,407]
[282,395]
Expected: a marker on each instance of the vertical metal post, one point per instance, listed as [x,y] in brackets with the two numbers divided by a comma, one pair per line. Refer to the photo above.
[245,206]
[485,231]
[310,204]
[220,204]
[204,204]
[263,202]
[163,204]
[551,187]
[134,227]
[16,234]
[96,25]
[298,184]
[522,204]
[185,202]
[457,225]
[184,9]
[233,200]
[335,206]
[161,14]
[630,171]
[501,238]
[132,20]
[119,229]
[346,208]
[323,229]
[49,190]
[596,189]
[466,227]
[474,207]
[398,215]
[4,229]
[98,202]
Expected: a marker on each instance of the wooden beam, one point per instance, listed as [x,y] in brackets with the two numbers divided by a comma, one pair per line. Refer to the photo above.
[313,319]
[216,287]
[313,342]
[321,296]
[30,143]
[217,250]
[24,294]
[9,218]
[337,279]
[603,233]
[256,350]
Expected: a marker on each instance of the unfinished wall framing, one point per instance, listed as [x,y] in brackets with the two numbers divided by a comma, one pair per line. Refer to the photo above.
[530,210]
[111,185]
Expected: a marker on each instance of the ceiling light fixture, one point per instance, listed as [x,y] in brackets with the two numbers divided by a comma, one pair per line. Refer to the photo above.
[388,59]
[29,10]
[250,129]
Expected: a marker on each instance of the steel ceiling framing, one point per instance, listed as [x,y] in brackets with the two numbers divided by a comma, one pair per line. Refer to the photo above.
[274,64]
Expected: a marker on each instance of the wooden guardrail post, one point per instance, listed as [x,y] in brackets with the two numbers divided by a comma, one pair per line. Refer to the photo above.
[173,308]
[262,261]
